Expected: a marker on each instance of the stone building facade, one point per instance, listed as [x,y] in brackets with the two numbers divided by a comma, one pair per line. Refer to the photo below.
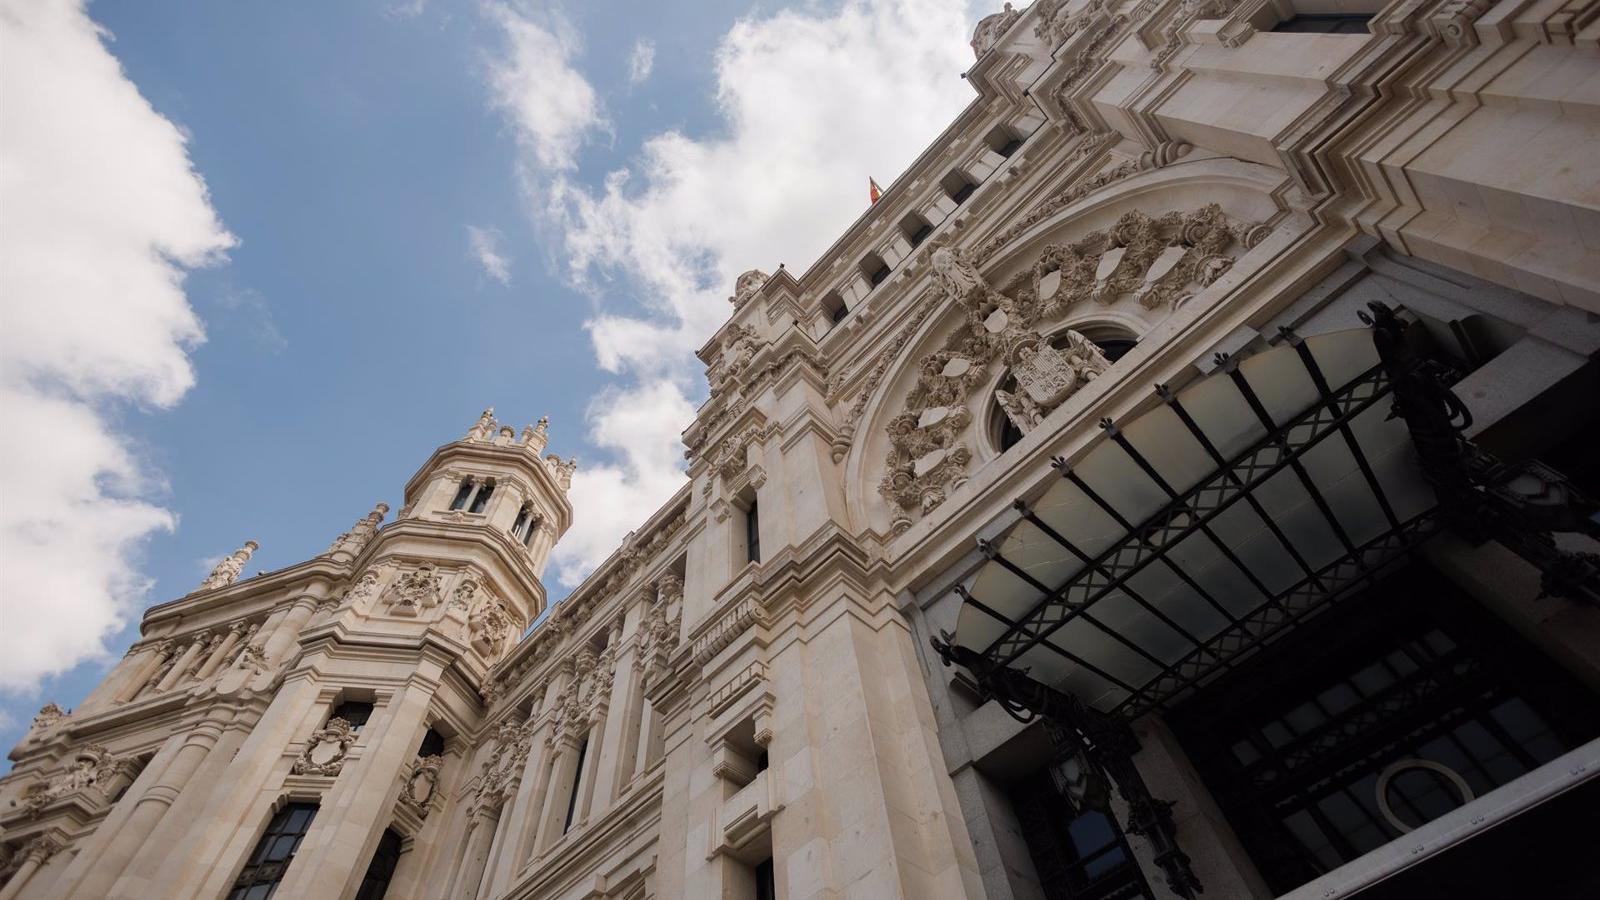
[1051,536]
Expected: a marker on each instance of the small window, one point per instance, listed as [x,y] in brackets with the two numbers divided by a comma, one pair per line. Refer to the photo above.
[752,532]
[874,268]
[766,881]
[1326,24]
[273,853]
[833,305]
[526,524]
[353,711]
[380,871]
[916,229]
[521,521]
[577,782]
[482,499]
[1003,141]
[958,186]
[432,744]
[464,492]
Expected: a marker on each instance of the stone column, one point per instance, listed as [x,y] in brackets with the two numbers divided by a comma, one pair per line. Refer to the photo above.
[182,665]
[146,670]
[520,814]
[282,638]
[34,854]
[355,811]
[221,651]
[563,778]
[619,738]
[103,880]
[480,834]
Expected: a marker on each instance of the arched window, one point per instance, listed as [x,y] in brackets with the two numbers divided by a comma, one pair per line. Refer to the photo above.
[375,883]
[1113,344]
[273,853]
[464,492]
[482,499]
[521,521]
[526,524]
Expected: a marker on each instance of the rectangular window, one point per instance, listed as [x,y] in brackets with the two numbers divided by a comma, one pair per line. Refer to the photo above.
[958,186]
[1325,24]
[273,853]
[380,871]
[875,269]
[577,782]
[752,532]
[462,494]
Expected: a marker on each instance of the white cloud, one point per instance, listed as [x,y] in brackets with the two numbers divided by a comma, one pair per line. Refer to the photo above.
[103,214]
[642,61]
[812,102]
[642,429]
[486,250]
[534,85]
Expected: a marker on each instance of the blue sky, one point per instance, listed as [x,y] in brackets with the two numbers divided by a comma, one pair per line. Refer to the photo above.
[384,217]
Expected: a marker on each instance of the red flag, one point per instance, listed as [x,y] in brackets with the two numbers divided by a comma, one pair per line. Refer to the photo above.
[873,191]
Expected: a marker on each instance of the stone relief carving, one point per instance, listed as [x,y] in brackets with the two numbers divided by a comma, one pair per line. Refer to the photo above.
[227,571]
[991,28]
[421,785]
[356,539]
[739,348]
[50,715]
[488,625]
[414,591]
[1157,260]
[325,753]
[91,770]
[748,285]
[501,772]
[364,588]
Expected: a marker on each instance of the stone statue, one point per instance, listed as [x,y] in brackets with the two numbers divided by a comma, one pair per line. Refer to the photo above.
[748,285]
[483,428]
[1020,409]
[955,276]
[228,570]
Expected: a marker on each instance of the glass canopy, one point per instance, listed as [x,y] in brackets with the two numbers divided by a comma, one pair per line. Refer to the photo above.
[1199,530]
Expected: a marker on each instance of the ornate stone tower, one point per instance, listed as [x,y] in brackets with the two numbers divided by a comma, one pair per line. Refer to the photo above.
[348,684]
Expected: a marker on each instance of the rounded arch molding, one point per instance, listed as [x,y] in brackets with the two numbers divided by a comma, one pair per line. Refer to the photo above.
[884,472]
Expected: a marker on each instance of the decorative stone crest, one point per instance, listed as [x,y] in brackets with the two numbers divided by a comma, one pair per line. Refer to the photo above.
[421,785]
[748,285]
[414,591]
[50,715]
[365,587]
[739,348]
[227,571]
[502,770]
[325,753]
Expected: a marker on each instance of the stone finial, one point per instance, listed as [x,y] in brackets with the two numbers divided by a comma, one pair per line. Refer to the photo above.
[561,469]
[535,437]
[483,429]
[748,285]
[227,571]
[991,28]
[355,540]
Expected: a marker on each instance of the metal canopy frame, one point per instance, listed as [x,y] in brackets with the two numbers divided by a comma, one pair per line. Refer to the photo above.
[1191,512]
[1475,495]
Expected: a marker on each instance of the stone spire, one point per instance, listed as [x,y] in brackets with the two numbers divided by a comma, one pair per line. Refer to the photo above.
[483,429]
[227,571]
[535,437]
[355,540]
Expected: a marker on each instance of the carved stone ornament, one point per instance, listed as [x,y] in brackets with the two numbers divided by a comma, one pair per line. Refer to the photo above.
[991,28]
[501,771]
[414,591]
[483,429]
[748,285]
[488,626]
[561,470]
[739,348]
[325,753]
[227,571]
[91,770]
[50,715]
[421,785]
[365,587]
[1158,261]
